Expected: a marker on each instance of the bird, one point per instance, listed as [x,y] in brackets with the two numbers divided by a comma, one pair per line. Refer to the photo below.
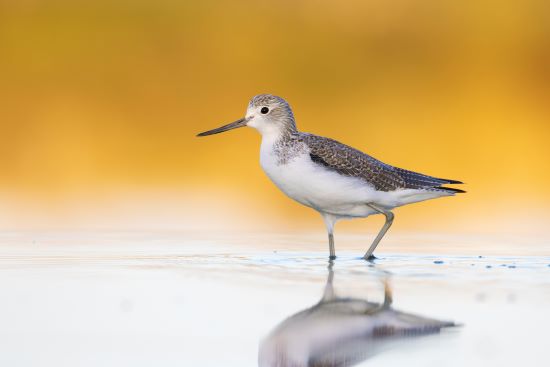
[343,331]
[336,180]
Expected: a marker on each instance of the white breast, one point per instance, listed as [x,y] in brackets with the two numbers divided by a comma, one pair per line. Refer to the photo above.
[312,185]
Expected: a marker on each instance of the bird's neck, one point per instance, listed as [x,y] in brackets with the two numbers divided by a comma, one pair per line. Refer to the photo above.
[274,136]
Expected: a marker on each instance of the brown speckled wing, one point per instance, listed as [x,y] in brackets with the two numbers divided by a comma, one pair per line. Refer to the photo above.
[352,162]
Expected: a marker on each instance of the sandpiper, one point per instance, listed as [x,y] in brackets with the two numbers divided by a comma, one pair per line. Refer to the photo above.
[336,180]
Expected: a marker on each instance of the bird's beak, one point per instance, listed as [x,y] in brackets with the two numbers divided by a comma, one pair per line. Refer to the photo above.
[234,125]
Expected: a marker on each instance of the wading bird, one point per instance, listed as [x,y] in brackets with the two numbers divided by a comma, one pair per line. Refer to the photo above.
[336,180]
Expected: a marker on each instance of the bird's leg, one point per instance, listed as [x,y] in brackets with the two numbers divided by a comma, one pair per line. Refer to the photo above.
[389,220]
[331,246]
[329,222]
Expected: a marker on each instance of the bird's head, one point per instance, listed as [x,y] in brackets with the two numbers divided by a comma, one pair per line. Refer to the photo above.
[269,114]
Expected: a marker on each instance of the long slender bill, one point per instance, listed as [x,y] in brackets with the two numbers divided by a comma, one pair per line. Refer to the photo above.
[234,125]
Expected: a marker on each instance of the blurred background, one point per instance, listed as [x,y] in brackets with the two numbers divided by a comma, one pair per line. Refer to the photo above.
[100,102]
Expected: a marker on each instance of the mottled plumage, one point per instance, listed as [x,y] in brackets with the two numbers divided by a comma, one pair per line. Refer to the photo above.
[352,162]
[336,180]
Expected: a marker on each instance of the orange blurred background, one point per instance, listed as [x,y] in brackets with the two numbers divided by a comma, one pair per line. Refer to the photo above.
[100,102]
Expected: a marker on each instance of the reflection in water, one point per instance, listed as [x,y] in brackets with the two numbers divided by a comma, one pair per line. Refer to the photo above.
[340,331]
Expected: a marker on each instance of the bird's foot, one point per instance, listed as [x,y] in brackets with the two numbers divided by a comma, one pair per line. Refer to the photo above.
[332,257]
[371,258]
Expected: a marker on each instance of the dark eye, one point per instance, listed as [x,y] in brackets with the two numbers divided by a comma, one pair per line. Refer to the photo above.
[264,110]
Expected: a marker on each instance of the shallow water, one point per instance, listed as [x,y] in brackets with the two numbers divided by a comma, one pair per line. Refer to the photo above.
[184,299]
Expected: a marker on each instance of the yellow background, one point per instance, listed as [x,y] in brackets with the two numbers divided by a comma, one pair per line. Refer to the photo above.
[100,102]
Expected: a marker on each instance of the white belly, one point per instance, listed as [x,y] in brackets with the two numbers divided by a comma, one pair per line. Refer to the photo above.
[329,192]
[312,185]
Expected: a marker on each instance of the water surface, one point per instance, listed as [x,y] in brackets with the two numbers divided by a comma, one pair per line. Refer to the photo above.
[192,299]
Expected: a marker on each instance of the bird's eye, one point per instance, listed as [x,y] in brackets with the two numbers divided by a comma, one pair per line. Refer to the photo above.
[264,110]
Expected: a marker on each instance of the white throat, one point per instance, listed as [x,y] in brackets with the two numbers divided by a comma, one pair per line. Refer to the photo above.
[268,130]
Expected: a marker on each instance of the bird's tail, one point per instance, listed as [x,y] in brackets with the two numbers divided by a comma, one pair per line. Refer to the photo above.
[450,190]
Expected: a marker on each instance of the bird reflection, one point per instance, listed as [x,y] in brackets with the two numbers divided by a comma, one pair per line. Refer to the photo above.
[341,331]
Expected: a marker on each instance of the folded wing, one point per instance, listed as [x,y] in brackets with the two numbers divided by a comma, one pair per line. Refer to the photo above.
[352,162]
